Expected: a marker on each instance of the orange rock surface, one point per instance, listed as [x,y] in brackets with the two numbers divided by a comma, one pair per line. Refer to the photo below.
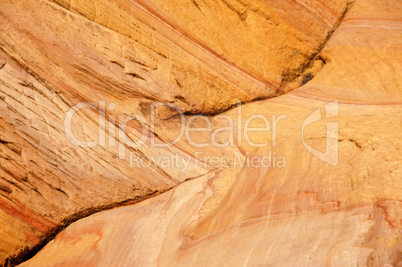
[337,62]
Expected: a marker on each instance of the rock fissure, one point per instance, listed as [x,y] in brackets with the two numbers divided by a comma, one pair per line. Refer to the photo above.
[304,70]
[27,253]
[205,58]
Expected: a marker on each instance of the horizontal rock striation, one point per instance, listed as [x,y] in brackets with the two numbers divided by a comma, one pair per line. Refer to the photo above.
[204,56]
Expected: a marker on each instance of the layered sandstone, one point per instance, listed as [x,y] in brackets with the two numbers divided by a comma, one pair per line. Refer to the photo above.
[203,56]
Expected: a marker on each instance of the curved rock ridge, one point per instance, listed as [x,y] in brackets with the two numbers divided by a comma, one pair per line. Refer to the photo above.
[131,49]
[54,55]
[120,57]
[47,182]
[304,213]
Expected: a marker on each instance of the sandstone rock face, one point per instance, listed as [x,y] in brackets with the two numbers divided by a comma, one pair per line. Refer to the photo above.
[240,33]
[125,50]
[47,182]
[308,208]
